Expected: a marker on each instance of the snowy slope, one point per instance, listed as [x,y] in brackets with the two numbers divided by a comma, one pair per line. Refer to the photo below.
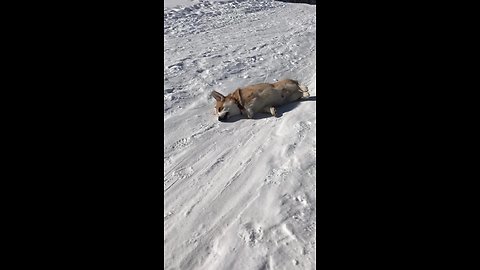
[241,194]
[178,3]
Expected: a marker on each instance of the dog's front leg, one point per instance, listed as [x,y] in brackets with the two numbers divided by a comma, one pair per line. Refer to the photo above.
[250,112]
[251,107]
[271,110]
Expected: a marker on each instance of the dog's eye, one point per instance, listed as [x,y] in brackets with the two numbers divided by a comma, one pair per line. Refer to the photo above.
[220,109]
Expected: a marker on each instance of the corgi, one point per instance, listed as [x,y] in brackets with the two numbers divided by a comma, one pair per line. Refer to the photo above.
[262,97]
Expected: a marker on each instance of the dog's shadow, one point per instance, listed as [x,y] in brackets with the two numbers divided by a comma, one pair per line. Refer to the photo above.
[280,111]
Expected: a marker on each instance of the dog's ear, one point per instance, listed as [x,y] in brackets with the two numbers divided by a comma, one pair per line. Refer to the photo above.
[218,96]
[236,95]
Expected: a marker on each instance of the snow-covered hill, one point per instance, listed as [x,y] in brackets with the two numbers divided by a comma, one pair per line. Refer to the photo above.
[241,194]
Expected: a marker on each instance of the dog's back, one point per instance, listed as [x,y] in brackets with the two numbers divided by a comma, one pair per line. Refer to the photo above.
[264,95]
[283,84]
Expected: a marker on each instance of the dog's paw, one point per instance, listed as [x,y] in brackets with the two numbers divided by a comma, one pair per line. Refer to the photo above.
[249,113]
[273,111]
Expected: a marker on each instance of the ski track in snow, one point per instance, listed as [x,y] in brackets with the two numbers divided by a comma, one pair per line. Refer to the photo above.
[241,194]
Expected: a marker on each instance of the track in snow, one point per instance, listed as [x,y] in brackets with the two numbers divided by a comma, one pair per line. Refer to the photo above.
[238,195]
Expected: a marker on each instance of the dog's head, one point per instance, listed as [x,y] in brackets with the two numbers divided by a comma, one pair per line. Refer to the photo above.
[226,106]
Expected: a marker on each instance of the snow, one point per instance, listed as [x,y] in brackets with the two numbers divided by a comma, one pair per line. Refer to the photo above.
[240,194]
[182,3]
[177,3]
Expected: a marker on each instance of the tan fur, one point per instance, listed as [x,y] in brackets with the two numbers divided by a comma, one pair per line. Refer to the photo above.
[262,97]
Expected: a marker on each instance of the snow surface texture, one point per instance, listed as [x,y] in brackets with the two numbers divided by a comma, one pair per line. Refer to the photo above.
[241,194]
[178,3]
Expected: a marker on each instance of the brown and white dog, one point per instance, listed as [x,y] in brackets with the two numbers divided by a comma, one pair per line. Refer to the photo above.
[262,97]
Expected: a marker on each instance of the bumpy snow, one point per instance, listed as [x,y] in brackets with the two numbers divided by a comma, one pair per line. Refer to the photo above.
[241,194]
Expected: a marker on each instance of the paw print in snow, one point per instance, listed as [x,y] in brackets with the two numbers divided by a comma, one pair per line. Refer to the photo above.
[250,234]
